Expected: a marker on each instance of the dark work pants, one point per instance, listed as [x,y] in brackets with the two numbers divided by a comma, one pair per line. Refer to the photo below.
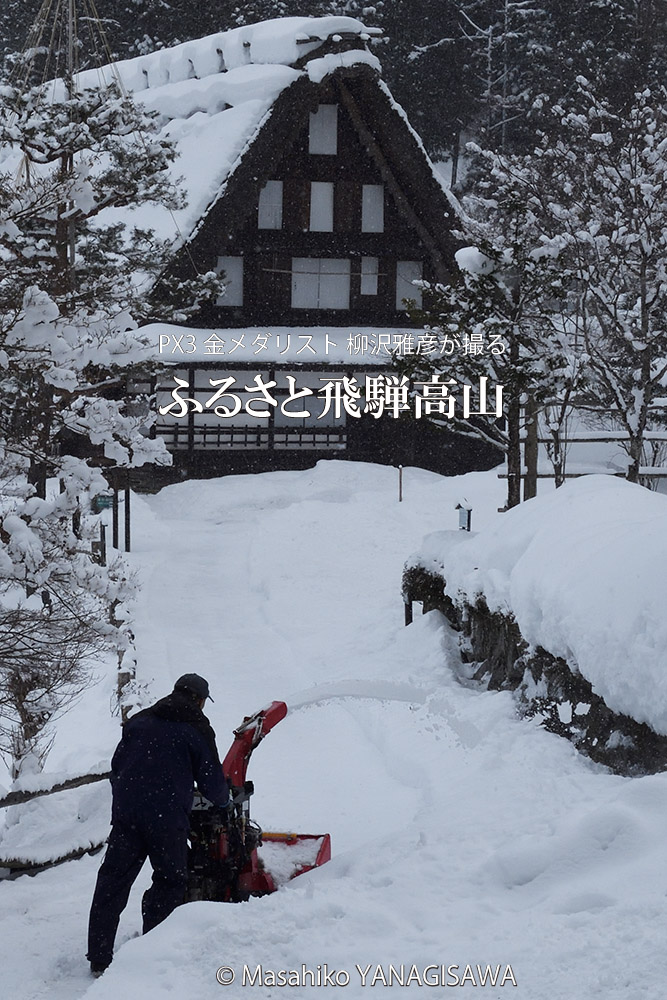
[129,846]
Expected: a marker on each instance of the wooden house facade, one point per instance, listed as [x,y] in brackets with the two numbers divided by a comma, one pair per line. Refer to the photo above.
[322,221]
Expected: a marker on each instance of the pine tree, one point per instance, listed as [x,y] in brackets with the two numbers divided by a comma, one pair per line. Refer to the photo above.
[618,45]
[508,48]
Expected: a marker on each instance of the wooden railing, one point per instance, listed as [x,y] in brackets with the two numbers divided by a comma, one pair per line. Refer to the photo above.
[221,437]
[12,867]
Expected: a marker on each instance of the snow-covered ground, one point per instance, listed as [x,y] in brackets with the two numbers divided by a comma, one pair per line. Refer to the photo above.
[461,834]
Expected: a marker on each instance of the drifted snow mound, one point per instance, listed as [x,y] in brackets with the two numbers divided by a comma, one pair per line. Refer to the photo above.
[584,573]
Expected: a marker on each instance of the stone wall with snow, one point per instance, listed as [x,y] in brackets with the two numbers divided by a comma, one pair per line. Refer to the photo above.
[563,600]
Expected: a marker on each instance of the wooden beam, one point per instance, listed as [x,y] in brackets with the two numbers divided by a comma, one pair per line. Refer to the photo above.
[530,450]
[390,179]
[568,475]
[24,866]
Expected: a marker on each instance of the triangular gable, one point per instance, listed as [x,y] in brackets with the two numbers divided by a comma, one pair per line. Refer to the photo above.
[383,131]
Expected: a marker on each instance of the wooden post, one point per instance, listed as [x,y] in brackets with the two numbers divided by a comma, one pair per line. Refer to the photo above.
[530,450]
[126,674]
[114,514]
[127,512]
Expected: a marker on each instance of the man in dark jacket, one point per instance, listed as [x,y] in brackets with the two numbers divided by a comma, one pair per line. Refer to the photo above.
[164,750]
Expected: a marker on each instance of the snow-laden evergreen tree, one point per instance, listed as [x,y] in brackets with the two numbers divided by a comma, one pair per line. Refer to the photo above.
[506,45]
[422,42]
[499,319]
[72,290]
[569,267]
[596,191]
[483,60]
[618,45]
[599,194]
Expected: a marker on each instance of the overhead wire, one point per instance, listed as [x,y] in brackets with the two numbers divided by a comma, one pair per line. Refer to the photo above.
[55,54]
[32,44]
[142,138]
[95,39]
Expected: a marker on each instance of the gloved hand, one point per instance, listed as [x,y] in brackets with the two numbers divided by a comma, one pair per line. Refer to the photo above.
[238,795]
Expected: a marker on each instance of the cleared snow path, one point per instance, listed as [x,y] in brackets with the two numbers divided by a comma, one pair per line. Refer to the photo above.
[460,834]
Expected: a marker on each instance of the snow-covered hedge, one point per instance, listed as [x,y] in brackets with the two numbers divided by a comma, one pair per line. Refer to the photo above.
[583,572]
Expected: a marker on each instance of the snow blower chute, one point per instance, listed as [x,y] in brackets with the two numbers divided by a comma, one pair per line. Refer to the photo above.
[231,858]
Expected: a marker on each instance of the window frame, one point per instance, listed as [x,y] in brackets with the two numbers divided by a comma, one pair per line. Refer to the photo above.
[372,208]
[323,131]
[321,217]
[404,287]
[235,280]
[369,274]
[270,205]
[325,285]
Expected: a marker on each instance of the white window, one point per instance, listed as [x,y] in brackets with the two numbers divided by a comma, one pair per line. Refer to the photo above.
[408,271]
[323,134]
[369,276]
[319,283]
[372,208]
[321,207]
[233,278]
[270,214]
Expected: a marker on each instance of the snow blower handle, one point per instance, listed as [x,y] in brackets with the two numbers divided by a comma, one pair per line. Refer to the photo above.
[252,730]
[239,795]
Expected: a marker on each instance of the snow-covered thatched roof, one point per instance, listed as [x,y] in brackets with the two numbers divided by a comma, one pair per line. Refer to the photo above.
[214,94]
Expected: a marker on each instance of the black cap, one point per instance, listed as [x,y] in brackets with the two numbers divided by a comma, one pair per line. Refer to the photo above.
[195,684]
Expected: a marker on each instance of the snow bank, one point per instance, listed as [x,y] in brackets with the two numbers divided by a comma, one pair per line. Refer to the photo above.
[584,573]
[48,779]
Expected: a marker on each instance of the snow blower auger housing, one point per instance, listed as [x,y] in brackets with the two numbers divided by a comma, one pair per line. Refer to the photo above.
[230,857]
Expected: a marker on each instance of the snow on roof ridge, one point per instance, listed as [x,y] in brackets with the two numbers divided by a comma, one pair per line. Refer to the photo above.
[321,66]
[447,191]
[279,41]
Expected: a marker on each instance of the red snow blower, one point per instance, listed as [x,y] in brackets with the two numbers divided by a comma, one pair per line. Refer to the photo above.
[231,858]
